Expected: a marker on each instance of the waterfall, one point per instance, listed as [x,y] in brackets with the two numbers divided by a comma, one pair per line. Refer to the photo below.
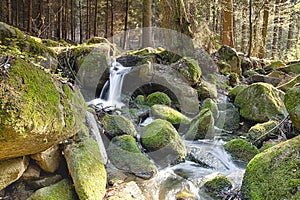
[110,96]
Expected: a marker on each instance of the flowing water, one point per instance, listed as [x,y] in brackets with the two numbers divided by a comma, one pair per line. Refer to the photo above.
[209,157]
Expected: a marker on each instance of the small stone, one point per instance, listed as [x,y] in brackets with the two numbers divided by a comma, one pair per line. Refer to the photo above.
[44,181]
[185,195]
[32,172]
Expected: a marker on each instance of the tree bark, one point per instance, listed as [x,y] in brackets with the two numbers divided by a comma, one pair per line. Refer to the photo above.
[227,33]
[9,14]
[80,23]
[88,12]
[250,29]
[30,17]
[96,19]
[264,30]
[125,23]
[290,31]
[147,17]
[112,19]
[275,30]
[106,19]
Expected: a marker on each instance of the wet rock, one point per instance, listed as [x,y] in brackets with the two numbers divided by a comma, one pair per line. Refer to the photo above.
[202,126]
[207,90]
[44,181]
[230,56]
[292,103]
[241,149]
[116,125]
[257,133]
[216,186]
[293,68]
[49,159]
[260,102]
[158,98]
[125,154]
[266,79]
[228,119]
[274,173]
[235,91]
[60,190]
[169,114]
[36,111]
[185,195]
[11,170]
[32,172]
[212,106]
[86,167]
[233,79]
[293,82]
[163,143]
[128,191]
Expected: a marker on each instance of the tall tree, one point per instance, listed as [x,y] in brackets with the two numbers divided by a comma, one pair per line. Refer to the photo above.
[96,19]
[125,23]
[147,14]
[30,17]
[9,14]
[275,30]
[250,28]
[264,29]
[227,34]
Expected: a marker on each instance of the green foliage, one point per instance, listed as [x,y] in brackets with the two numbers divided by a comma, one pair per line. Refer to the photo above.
[241,149]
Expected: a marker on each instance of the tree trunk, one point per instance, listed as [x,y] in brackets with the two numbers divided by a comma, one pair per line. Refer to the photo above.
[88,12]
[9,10]
[290,31]
[125,23]
[250,29]
[72,21]
[264,30]
[30,17]
[275,30]
[208,12]
[80,23]
[106,19]
[255,38]
[112,19]
[147,17]
[60,19]
[227,33]
[49,19]
[96,19]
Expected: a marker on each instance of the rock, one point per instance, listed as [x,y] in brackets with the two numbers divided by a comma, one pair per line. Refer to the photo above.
[257,133]
[168,80]
[141,100]
[241,150]
[249,73]
[49,159]
[235,91]
[32,172]
[163,143]
[61,190]
[274,173]
[86,167]
[36,111]
[260,102]
[202,126]
[230,56]
[189,68]
[293,68]
[206,63]
[229,118]
[276,64]
[185,195]
[212,106]
[11,170]
[233,79]
[207,90]
[158,98]
[116,125]
[293,82]
[292,104]
[169,114]
[217,186]
[262,78]
[128,191]
[44,181]
[125,154]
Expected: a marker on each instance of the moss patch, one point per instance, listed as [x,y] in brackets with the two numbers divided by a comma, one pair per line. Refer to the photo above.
[217,186]
[158,98]
[211,105]
[292,103]
[241,149]
[169,114]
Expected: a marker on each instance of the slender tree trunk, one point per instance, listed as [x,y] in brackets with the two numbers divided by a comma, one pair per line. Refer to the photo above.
[112,19]
[49,19]
[72,21]
[275,30]
[30,17]
[264,30]
[88,11]
[255,38]
[60,19]
[244,36]
[290,31]
[125,23]
[106,19]
[9,10]
[250,28]
[227,33]
[96,19]
[208,12]
[17,14]
[80,23]
[214,16]
[147,17]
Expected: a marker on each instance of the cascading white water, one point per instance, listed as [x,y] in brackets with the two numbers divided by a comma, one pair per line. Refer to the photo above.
[110,96]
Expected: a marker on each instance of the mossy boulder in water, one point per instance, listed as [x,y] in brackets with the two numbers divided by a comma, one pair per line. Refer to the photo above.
[229,117]
[207,90]
[36,111]
[260,102]
[87,169]
[163,143]
[125,154]
[274,173]
[61,190]
[202,126]
[158,98]
[212,106]
[292,103]
[241,149]
[169,114]
[235,91]
[217,186]
[115,125]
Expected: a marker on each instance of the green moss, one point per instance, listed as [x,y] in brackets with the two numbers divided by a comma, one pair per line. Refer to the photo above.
[250,72]
[292,104]
[233,79]
[140,99]
[126,155]
[235,91]
[158,98]
[207,90]
[61,190]
[169,114]
[217,186]
[211,105]
[86,167]
[273,174]
[202,126]
[192,71]
[285,87]
[50,43]
[118,125]
[276,64]
[241,149]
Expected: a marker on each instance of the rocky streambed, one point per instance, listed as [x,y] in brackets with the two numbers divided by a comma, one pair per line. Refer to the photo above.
[188,128]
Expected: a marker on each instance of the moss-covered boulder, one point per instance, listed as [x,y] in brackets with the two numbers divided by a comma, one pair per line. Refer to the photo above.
[293,82]
[229,117]
[163,143]
[274,173]
[292,103]
[115,125]
[87,169]
[125,154]
[189,68]
[212,106]
[158,98]
[257,133]
[260,102]
[36,111]
[230,56]
[202,126]
[61,190]
[140,99]
[207,90]
[11,170]
[233,79]
[235,91]
[217,186]
[169,114]
[241,150]
[292,68]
